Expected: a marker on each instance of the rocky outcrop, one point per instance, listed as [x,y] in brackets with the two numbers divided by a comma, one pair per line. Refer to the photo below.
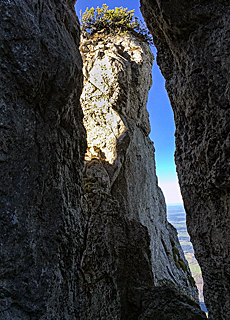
[192,39]
[98,250]
[130,249]
[41,153]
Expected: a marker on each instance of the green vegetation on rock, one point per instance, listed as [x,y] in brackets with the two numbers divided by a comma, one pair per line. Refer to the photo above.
[118,20]
[192,281]
[181,264]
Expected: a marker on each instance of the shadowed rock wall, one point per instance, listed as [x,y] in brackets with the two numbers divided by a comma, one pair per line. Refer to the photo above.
[192,38]
[42,142]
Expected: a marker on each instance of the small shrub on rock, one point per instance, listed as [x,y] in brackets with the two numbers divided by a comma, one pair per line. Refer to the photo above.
[118,20]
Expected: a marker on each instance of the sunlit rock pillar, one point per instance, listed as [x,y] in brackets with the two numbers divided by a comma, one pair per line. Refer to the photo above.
[131,251]
[192,38]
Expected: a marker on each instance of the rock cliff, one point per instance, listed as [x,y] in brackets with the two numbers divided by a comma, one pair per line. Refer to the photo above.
[131,251]
[101,249]
[192,38]
[42,146]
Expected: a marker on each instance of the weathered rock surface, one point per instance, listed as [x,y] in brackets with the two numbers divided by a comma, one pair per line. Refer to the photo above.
[193,42]
[42,146]
[130,248]
[116,256]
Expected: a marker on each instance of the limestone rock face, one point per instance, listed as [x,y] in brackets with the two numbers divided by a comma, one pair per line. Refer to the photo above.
[42,146]
[192,39]
[130,247]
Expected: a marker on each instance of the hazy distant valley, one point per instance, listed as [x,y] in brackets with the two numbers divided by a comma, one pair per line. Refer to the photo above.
[177,217]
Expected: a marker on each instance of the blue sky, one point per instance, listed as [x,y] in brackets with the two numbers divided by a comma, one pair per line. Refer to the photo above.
[161,115]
